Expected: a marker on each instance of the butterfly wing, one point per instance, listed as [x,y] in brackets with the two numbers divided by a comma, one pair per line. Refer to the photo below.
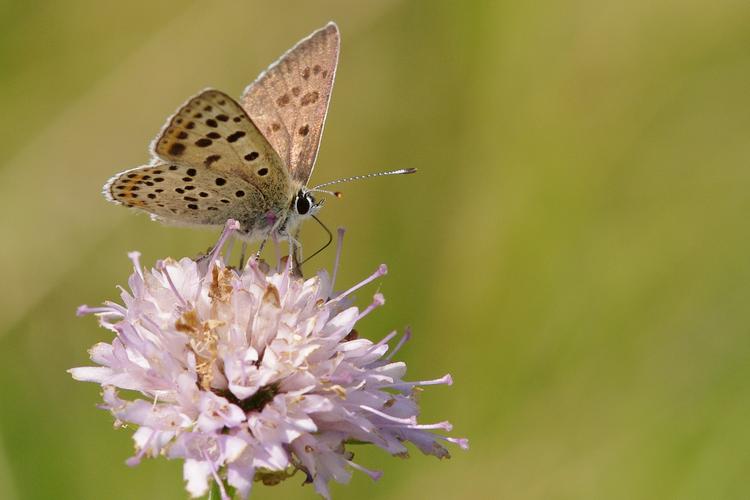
[212,164]
[174,194]
[212,132]
[289,101]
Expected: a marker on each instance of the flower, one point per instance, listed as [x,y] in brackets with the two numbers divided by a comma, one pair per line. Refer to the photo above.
[253,374]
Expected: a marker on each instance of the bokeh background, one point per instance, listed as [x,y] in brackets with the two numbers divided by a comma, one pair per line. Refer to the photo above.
[575,249]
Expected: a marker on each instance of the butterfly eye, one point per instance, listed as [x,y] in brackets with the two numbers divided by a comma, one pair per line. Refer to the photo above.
[304,202]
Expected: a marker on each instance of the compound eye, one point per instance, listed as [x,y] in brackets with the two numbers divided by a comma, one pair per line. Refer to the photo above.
[303,204]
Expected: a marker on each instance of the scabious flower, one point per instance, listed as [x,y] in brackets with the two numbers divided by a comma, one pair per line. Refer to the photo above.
[253,374]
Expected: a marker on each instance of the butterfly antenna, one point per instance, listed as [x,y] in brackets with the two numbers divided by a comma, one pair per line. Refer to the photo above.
[335,194]
[330,239]
[400,171]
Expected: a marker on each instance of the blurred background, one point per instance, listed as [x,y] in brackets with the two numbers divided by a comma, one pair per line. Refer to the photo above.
[575,249]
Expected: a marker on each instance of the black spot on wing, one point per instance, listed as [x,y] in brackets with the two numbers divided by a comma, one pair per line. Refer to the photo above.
[236,136]
[176,149]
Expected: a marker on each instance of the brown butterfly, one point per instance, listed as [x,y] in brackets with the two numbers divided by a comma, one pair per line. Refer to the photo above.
[217,159]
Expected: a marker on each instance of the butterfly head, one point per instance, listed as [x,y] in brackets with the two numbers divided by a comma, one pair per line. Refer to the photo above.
[304,204]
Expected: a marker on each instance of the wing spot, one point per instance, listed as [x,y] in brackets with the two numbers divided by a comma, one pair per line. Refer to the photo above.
[212,123]
[222,102]
[158,179]
[192,206]
[237,119]
[187,179]
[251,156]
[203,194]
[159,190]
[275,126]
[236,136]
[212,208]
[190,125]
[325,73]
[189,198]
[224,200]
[316,69]
[263,171]
[160,205]
[213,135]
[189,188]
[134,188]
[203,142]
[178,121]
[296,91]
[211,159]
[220,181]
[303,130]
[172,167]
[151,195]
[182,135]
[198,115]
[222,117]
[192,172]
[149,183]
[157,172]
[283,100]
[239,194]
[179,190]
[208,108]
[309,98]
[130,176]
[306,73]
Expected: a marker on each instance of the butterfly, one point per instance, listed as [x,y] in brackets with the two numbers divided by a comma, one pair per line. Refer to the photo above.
[217,159]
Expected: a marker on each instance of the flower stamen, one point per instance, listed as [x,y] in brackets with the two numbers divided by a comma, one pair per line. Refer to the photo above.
[135,258]
[161,266]
[402,421]
[215,474]
[404,339]
[83,310]
[377,301]
[381,271]
[374,474]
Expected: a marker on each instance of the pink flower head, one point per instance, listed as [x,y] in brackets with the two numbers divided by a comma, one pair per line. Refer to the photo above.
[253,375]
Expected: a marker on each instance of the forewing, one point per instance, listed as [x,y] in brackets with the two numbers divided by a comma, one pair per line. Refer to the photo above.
[211,132]
[182,195]
[289,101]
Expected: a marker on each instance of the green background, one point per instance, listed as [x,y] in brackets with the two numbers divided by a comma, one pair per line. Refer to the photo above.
[574,250]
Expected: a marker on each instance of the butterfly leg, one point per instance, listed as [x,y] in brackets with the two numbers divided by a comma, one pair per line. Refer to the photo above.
[295,251]
[228,251]
[260,248]
[242,255]
[277,251]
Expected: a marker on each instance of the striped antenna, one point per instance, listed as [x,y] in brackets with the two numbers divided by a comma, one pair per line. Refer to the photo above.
[400,171]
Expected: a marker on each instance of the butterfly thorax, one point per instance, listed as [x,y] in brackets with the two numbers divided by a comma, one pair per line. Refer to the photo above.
[278,217]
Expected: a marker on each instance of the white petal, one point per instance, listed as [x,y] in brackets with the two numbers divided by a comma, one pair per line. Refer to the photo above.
[99,374]
[196,474]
